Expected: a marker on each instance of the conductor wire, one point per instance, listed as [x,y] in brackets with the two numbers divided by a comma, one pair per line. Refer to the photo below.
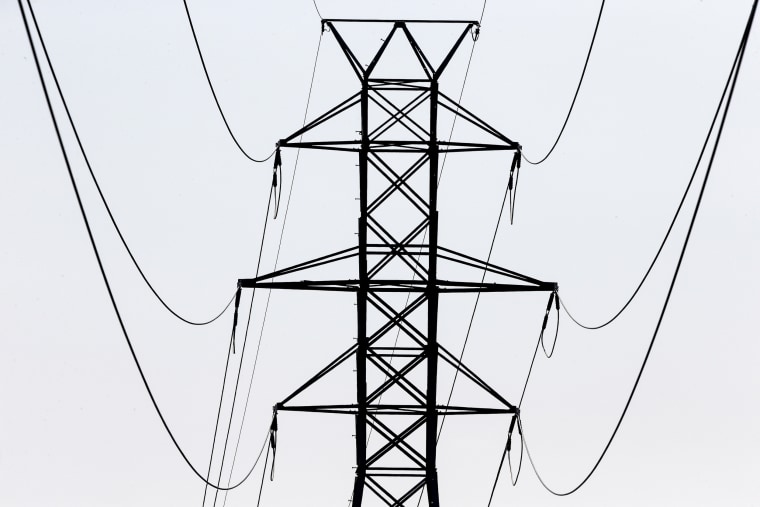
[317,9]
[213,93]
[732,80]
[670,227]
[101,267]
[100,191]
[575,96]
[277,257]
[729,86]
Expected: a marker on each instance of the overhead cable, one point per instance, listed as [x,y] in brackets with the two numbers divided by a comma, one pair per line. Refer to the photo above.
[730,83]
[506,454]
[670,227]
[99,260]
[732,79]
[272,192]
[277,257]
[242,355]
[483,11]
[263,475]
[575,96]
[475,306]
[317,9]
[213,93]
[100,191]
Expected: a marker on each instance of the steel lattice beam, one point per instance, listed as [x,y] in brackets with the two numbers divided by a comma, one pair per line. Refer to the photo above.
[398,344]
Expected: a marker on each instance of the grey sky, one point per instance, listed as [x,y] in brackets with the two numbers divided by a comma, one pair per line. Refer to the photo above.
[76,426]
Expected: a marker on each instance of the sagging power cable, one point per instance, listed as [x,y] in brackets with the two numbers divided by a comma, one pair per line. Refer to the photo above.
[670,227]
[730,85]
[101,267]
[733,78]
[213,93]
[100,191]
[575,96]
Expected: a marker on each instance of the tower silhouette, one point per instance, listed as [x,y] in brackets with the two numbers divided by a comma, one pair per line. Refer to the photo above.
[398,283]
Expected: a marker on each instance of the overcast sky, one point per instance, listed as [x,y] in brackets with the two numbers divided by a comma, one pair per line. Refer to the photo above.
[76,425]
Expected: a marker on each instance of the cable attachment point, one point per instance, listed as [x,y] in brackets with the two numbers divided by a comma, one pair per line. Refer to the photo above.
[514,175]
[273,441]
[277,189]
[475,32]
[235,316]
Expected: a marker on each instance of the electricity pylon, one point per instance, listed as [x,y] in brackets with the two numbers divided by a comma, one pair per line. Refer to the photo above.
[397,376]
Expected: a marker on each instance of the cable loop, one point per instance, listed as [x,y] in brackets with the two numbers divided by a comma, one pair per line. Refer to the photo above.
[235,316]
[273,441]
[553,298]
[277,189]
[515,477]
[514,176]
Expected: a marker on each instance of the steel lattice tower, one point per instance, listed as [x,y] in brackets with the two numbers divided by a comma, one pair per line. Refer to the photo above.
[397,379]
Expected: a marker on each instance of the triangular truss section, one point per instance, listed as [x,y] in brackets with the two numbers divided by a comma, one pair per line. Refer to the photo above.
[394,106]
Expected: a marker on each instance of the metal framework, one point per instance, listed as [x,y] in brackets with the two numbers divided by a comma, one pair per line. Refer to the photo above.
[397,376]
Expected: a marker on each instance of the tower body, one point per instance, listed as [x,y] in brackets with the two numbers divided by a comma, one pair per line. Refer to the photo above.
[397,287]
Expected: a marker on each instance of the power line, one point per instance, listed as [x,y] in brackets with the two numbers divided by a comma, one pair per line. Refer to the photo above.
[213,93]
[317,9]
[100,191]
[475,308]
[507,446]
[218,415]
[734,73]
[242,355]
[474,311]
[263,474]
[483,11]
[269,293]
[575,96]
[98,258]
[733,79]
[670,227]
[240,364]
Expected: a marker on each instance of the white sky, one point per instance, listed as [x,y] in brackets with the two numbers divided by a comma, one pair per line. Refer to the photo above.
[76,426]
